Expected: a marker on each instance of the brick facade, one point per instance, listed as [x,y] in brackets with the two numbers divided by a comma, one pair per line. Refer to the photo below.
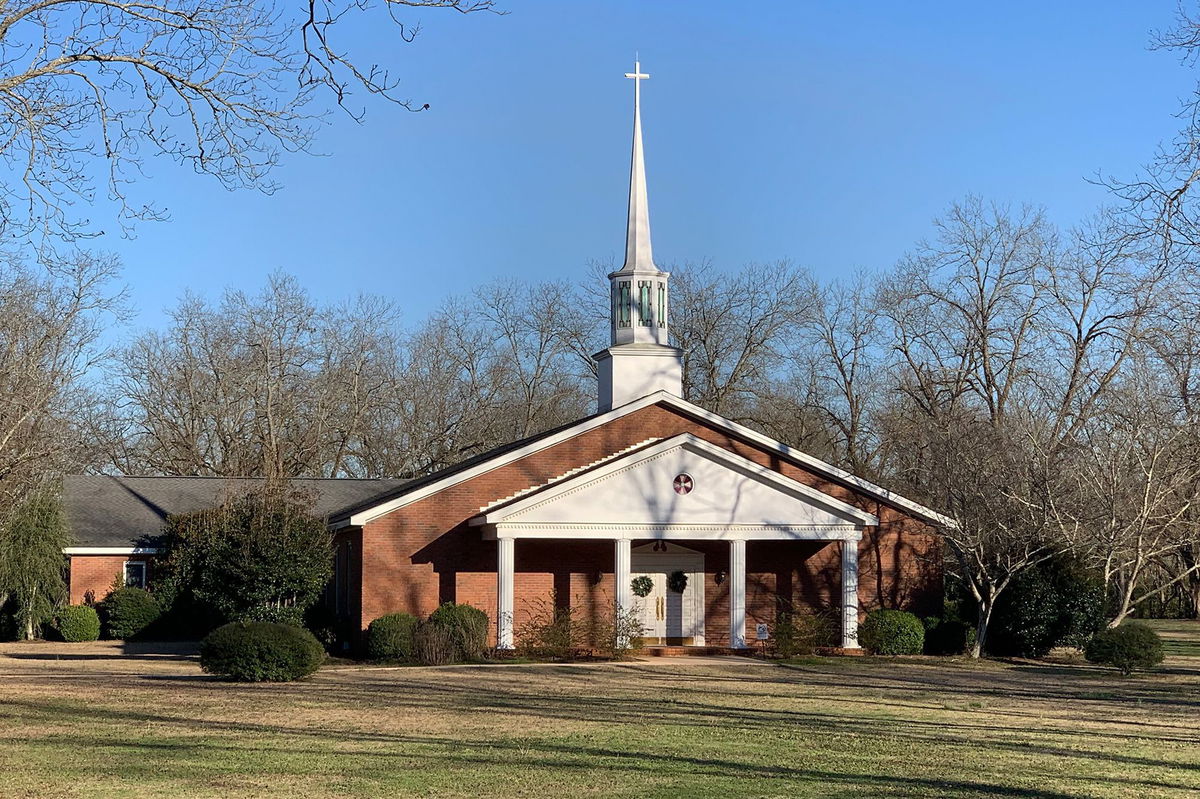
[424,553]
[97,573]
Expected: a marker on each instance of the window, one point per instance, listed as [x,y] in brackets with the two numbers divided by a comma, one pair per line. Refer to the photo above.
[135,574]
[662,304]
[624,303]
[645,309]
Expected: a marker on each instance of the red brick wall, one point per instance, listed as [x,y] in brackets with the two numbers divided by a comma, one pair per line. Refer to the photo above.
[96,573]
[424,553]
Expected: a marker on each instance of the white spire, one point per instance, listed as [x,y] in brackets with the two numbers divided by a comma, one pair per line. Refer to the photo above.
[640,360]
[639,256]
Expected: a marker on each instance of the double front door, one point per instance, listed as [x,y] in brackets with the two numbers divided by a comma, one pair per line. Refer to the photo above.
[672,613]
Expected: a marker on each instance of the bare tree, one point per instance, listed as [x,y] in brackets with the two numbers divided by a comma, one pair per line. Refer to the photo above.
[219,85]
[51,319]
[734,329]
[261,385]
[1139,491]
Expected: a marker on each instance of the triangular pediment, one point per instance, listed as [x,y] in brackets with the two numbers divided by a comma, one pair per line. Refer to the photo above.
[681,481]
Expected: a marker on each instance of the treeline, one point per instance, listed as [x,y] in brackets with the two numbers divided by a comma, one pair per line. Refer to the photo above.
[1037,385]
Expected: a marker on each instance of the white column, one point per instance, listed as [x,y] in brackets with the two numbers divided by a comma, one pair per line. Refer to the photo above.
[737,594]
[622,559]
[850,593]
[504,592]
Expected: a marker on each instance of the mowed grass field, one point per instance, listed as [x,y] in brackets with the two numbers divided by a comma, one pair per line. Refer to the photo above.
[88,720]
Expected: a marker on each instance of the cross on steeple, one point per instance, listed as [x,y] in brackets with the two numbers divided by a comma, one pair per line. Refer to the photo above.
[638,76]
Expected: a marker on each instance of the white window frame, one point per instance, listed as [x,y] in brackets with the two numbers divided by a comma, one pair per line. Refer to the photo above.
[125,572]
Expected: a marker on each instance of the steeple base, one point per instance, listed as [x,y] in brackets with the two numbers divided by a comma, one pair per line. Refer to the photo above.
[628,372]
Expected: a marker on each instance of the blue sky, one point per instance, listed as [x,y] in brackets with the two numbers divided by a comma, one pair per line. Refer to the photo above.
[828,133]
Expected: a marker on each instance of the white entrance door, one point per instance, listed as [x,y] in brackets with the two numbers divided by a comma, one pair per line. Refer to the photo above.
[670,616]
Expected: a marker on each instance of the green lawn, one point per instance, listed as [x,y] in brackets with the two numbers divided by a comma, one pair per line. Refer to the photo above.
[86,720]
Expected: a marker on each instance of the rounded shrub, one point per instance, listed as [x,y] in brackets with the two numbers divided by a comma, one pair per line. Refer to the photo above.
[127,611]
[390,637]
[947,636]
[76,623]
[467,627]
[1127,648]
[892,632]
[260,651]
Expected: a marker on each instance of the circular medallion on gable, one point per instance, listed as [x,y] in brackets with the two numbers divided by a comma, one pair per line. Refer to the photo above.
[684,484]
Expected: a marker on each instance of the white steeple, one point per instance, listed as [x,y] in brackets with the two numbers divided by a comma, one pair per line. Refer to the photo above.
[640,361]
[639,255]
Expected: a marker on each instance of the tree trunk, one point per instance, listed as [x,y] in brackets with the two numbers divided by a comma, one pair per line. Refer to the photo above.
[986,605]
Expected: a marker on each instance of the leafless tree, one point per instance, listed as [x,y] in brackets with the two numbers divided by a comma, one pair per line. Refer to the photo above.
[260,385]
[51,319]
[222,86]
[1140,487]
[734,329]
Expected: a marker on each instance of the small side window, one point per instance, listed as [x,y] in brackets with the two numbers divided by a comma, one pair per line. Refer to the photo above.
[135,574]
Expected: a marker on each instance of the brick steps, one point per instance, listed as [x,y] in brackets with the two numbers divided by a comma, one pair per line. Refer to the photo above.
[688,651]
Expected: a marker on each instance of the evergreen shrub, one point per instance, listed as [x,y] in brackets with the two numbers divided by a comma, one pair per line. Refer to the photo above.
[260,651]
[390,637]
[892,632]
[75,623]
[467,628]
[1127,648]
[126,612]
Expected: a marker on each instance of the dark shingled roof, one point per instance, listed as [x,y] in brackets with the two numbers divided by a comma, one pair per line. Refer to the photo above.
[106,511]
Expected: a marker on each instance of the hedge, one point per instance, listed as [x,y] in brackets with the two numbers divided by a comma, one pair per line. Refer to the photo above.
[466,626]
[892,632]
[1127,648]
[260,651]
[390,637]
[76,623]
[127,611]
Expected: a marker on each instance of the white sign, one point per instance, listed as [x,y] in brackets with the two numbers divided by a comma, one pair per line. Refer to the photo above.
[761,632]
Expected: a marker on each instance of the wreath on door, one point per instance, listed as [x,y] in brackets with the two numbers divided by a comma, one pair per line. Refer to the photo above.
[641,585]
[677,581]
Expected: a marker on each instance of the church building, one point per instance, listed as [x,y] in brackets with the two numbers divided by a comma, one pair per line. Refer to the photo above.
[701,526]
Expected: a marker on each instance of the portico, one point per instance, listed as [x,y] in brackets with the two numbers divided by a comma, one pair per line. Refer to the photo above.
[674,492]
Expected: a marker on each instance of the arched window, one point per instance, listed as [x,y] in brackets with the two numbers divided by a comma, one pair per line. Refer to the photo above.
[662,304]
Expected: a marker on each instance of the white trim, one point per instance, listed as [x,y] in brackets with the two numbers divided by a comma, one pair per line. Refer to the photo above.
[669,532]
[688,441]
[145,572]
[685,407]
[110,550]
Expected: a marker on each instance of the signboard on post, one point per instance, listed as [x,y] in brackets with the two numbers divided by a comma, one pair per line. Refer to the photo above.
[761,632]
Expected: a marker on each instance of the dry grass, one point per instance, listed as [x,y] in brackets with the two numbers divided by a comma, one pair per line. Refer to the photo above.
[88,720]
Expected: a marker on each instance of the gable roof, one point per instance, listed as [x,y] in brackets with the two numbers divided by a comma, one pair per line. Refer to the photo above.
[643,474]
[419,489]
[109,511]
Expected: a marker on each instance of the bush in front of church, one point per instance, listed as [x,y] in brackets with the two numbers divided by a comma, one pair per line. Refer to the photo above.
[892,632]
[433,644]
[260,651]
[76,623]
[467,628]
[1126,648]
[126,612]
[390,637]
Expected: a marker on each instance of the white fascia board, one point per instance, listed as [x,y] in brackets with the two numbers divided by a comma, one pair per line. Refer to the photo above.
[682,532]
[686,441]
[816,464]
[110,551]
[682,405]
